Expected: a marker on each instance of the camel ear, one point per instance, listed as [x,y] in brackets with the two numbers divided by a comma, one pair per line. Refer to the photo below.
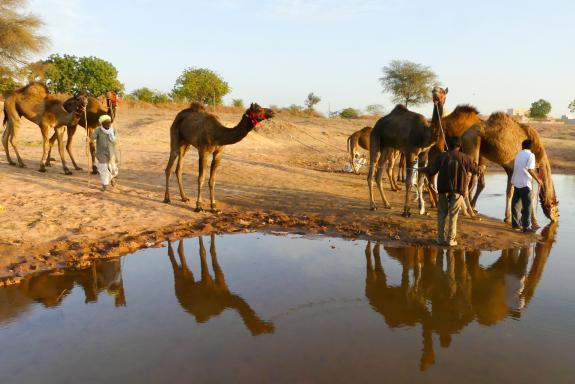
[446,90]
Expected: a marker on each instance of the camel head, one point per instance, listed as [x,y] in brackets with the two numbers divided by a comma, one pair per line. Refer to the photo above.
[257,114]
[547,196]
[77,104]
[438,95]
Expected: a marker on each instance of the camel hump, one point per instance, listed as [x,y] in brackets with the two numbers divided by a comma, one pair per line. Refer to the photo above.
[35,89]
[465,108]
[500,118]
[400,108]
[197,107]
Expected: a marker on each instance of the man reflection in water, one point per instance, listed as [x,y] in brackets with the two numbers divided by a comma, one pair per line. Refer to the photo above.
[444,292]
[209,297]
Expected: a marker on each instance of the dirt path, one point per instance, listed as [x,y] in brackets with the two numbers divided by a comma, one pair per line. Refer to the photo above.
[279,179]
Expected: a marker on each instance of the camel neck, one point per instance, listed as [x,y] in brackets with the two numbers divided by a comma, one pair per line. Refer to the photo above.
[237,133]
[436,122]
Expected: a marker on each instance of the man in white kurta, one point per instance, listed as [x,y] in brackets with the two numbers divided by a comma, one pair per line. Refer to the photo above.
[105,138]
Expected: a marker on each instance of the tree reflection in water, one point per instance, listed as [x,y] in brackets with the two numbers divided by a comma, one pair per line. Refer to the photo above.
[444,291]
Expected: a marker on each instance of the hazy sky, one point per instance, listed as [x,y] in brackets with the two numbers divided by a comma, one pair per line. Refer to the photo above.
[493,54]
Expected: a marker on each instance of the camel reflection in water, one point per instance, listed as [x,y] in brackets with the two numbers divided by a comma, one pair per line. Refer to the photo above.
[210,296]
[446,292]
[51,288]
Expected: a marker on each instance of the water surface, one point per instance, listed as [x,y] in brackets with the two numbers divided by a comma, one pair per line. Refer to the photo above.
[262,308]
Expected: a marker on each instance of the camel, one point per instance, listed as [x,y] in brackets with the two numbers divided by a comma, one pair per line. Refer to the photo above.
[94,110]
[499,139]
[357,139]
[410,133]
[209,297]
[194,126]
[35,103]
[445,292]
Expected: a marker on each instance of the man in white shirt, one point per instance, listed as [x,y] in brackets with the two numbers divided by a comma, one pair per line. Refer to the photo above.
[522,180]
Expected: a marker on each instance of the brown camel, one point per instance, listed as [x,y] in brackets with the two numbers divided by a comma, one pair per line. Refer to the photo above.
[94,110]
[499,139]
[410,133]
[36,104]
[194,126]
[209,297]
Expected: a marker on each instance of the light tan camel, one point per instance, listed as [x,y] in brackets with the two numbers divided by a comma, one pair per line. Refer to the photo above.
[36,104]
[194,126]
[499,139]
[207,297]
[360,139]
[410,133]
[94,110]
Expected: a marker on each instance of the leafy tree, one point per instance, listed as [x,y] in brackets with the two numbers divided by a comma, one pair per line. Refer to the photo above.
[572,106]
[143,94]
[238,103]
[18,34]
[161,98]
[375,109]
[540,109]
[70,74]
[311,100]
[409,83]
[349,113]
[201,84]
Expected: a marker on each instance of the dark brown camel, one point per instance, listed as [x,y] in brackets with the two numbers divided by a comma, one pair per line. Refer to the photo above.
[194,126]
[94,110]
[499,139]
[209,297]
[410,133]
[35,103]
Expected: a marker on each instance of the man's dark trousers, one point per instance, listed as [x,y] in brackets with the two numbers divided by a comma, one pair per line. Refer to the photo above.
[524,197]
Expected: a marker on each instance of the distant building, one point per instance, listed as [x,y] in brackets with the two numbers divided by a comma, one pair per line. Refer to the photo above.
[568,119]
[518,112]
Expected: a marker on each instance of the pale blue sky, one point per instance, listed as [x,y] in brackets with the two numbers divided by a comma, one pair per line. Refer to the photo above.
[493,54]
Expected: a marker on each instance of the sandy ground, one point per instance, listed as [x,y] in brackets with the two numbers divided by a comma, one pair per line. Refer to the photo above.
[286,176]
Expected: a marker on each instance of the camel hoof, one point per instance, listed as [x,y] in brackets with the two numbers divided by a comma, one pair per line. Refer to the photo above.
[21,165]
[199,209]
[185,199]
[67,172]
[43,170]
[167,200]
[406,214]
[77,168]
[11,163]
[95,173]
[215,211]
[373,208]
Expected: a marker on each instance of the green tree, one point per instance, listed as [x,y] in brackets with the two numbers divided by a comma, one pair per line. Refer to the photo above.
[375,109]
[201,84]
[409,83]
[143,94]
[311,100]
[540,109]
[161,98]
[572,106]
[349,113]
[70,74]
[238,103]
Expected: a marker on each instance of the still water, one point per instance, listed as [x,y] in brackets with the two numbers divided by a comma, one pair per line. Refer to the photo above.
[263,308]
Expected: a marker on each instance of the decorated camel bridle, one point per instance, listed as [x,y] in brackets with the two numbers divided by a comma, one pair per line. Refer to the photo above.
[255,117]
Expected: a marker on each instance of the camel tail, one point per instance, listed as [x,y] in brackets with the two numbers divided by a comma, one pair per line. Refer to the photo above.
[5,120]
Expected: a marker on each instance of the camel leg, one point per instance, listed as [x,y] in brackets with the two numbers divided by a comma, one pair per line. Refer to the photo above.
[379,177]
[11,133]
[410,162]
[421,203]
[203,160]
[392,157]
[168,173]
[70,131]
[534,221]
[60,137]
[5,138]
[508,197]
[217,156]
[373,160]
[218,273]
[52,140]
[179,169]
[45,146]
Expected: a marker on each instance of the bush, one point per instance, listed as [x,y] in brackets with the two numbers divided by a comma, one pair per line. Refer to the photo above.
[238,103]
[349,113]
[200,84]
